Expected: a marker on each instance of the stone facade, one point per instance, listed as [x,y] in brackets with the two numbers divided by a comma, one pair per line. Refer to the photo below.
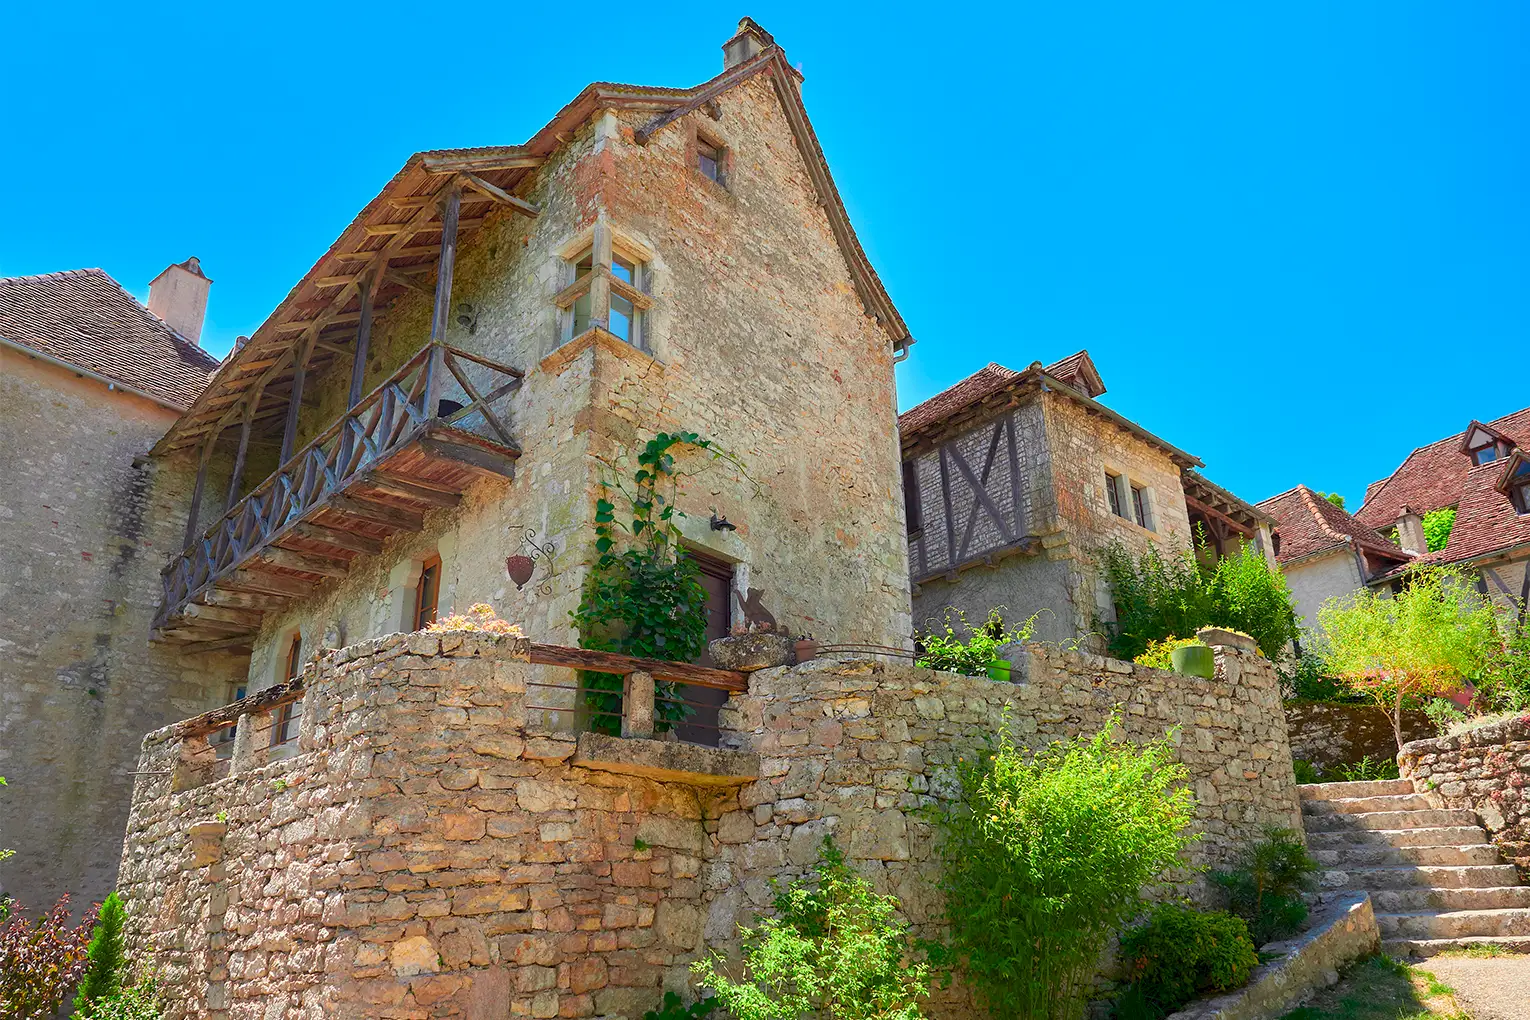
[1329,735]
[85,526]
[1486,770]
[757,340]
[433,849]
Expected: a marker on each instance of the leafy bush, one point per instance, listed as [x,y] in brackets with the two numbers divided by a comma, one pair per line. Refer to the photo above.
[1422,642]
[1444,714]
[1160,654]
[1044,859]
[480,617]
[41,962]
[1266,885]
[1306,772]
[1368,770]
[136,1002]
[1437,527]
[1504,686]
[836,952]
[1180,954]
[675,1009]
[962,648]
[1158,597]
[1309,679]
[106,952]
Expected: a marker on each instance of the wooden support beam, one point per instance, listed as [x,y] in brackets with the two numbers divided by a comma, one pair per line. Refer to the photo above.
[338,538]
[394,276]
[435,369]
[500,195]
[195,510]
[264,583]
[247,618]
[245,645]
[304,348]
[410,228]
[719,85]
[622,665]
[1217,515]
[244,600]
[376,513]
[308,563]
[469,455]
[363,346]
[411,490]
[402,253]
[236,476]
[486,163]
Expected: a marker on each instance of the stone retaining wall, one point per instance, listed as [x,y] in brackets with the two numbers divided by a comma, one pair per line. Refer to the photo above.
[428,853]
[1329,735]
[1487,770]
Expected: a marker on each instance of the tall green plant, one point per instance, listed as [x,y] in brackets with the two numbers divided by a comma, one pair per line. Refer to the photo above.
[835,951]
[1045,857]
[1158,597]
[959,647]
[1424,641]
[1265,884]
[107,953]
[1438,525]
[644,595]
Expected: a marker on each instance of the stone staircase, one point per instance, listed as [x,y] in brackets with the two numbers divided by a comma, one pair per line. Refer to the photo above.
[1435,881]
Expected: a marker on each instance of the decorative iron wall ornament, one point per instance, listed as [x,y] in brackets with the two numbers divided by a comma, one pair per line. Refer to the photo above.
[522,565]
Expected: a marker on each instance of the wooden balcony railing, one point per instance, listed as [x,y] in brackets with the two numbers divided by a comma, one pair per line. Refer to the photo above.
[407,447]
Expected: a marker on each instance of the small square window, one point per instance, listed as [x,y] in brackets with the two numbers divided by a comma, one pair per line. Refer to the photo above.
[710,158]
[1485,454]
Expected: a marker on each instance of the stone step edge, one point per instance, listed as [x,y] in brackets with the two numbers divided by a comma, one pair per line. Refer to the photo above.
[1425,948]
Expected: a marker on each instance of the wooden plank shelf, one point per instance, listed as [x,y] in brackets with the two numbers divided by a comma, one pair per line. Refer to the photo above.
[371,475]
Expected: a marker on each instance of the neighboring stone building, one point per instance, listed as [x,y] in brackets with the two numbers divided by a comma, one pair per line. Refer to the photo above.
[1483,473]
[495,335]
[434,849]
[1324,552]
[1015,484]
[89,380]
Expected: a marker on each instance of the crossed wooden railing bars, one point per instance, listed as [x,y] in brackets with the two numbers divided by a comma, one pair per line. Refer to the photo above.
[389,418]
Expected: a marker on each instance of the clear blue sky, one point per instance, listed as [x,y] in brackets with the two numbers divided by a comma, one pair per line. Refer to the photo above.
[1295,237]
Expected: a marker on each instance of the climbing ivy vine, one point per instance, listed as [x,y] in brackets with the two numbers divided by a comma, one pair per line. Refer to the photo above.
[644,596]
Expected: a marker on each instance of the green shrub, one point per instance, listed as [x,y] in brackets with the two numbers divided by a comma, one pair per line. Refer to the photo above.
[675,1009]
[1368,770]
[106,952]
[1437,527]
[1180,954]
[136,1002]
[836,952]
[1265,887]
[1308,678]
[1444,714]
[962,648]
[1158,597]
[1306,772]
[41,961]
[1044,859]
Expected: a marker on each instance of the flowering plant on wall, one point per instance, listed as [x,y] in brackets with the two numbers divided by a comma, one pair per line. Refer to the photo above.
[480,618]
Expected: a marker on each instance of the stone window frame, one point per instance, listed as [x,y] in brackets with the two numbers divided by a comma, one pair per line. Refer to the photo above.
[1120,482]
[602,243]
[430,567]
[699,137]
[404,584]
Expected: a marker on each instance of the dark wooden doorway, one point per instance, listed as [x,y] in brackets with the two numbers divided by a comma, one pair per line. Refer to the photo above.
[717,578]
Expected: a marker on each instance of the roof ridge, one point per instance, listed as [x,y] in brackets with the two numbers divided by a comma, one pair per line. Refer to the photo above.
[1280,495]
[61,274]
[1311,499]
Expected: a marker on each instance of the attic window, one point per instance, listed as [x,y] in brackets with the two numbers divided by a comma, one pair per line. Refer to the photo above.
[1485,454]
[1519,487]
[709,157]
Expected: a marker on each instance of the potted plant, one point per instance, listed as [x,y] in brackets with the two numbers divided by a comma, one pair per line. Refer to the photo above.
[1194,659]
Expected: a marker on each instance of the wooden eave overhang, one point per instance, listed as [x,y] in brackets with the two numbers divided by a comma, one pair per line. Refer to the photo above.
[1203,494]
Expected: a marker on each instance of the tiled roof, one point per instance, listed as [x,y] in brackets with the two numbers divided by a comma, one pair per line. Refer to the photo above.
[1309,524]
[987,380]
[1078,371]
[1440,475]
[84,317]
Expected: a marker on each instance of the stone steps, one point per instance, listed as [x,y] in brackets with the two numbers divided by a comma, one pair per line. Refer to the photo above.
[1373,878]
[1434,879]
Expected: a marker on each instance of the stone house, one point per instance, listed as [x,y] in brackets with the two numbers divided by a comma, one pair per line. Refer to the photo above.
[89,380]
[1325,552]
[427,420]
[1015,484]
[1483,473]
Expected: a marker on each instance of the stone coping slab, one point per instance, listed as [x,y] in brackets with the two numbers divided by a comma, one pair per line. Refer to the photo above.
[665,760]
[1345,932]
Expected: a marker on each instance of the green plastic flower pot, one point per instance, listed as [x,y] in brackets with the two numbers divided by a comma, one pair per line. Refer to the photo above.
[998,670]
[1194,660]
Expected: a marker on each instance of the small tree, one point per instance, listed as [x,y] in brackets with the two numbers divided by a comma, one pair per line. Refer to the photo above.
[1045,858]
[1423,642]
[107,955]
[41,962]
[836,952]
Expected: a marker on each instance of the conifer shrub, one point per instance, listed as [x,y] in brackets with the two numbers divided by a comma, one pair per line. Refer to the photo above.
[106,952]
[1265,885]
[1045,857]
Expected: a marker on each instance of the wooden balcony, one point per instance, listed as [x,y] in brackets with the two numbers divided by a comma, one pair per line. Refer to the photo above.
[371,475]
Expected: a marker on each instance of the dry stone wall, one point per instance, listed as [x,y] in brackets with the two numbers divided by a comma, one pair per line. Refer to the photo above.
[427,853]
[1487,770]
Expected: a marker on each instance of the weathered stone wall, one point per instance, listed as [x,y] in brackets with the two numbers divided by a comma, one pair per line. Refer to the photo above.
[757,340]
[428,853]
[83,534]
[1329,735]
[1487,770]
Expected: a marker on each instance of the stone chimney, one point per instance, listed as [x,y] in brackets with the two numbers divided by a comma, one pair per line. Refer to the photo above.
[179,297]
[749,40]
[1410,531]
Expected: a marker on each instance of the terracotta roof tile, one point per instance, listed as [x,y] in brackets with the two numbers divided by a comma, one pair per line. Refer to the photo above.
[1309,524]
[1440,475]
[985,381]
[84,317]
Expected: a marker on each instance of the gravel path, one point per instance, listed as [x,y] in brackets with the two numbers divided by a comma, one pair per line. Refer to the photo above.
[1492,988]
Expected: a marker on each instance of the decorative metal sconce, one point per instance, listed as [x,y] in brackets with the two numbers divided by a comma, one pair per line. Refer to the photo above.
[721,523]
[467,316]
[522,565]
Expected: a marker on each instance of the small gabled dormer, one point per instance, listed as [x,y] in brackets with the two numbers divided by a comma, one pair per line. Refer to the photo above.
[1515,482]
[1485,445]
